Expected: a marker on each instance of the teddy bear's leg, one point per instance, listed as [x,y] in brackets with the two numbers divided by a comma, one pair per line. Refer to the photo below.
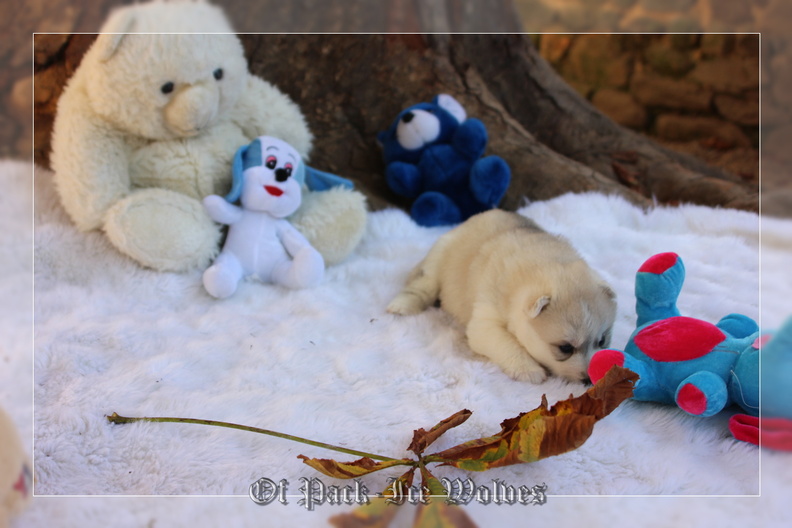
[333,221]
[435,209]
[404,179]
[163,229]
[305,271]
[221,278]
[702,394]
[657,286]
[489,179]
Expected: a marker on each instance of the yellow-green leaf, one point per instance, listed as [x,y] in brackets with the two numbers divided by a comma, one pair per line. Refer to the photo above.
[437,513]
[350,470]
[380,511]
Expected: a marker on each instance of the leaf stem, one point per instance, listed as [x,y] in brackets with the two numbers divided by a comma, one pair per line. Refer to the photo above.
[117,419]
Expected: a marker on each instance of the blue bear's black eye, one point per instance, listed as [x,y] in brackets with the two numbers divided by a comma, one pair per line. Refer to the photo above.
[167,88]
[218,73]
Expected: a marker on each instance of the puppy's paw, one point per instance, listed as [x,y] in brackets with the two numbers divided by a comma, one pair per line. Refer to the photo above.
[531,375]
[406,303]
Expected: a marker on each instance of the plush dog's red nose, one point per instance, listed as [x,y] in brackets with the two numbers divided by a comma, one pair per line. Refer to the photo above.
[274,191]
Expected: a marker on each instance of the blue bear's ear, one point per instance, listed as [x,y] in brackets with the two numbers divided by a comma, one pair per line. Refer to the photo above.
[237,169]
[452,106]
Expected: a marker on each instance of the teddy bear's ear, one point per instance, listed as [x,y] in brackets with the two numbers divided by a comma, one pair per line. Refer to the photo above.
[452,106]
[117,27]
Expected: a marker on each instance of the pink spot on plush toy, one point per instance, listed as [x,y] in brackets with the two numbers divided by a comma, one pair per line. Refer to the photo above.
[659,263]
[678,339]
[761,341]
[691,399]
[602,362]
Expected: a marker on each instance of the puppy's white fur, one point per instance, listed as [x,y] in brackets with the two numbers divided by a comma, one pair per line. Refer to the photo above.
[528,301]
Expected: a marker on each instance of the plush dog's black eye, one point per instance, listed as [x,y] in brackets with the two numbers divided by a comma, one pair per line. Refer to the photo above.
[218,74]
[167,88]
[271,162]
[566,349]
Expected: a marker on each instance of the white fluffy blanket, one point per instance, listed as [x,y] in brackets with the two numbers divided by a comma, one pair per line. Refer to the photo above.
[329,364]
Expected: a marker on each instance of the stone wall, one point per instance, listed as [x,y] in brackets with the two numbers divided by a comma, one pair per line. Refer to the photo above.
[693,92]
[676,60]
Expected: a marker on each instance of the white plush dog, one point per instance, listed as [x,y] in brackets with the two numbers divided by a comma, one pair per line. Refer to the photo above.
[260,243]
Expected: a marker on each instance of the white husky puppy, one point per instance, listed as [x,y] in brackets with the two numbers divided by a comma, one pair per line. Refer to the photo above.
[528,301]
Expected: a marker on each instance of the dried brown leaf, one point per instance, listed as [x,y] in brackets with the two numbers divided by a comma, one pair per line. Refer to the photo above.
[423,439]
[543,432]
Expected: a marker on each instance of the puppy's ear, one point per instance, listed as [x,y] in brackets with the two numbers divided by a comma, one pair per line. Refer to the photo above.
[608,291]
[535,308]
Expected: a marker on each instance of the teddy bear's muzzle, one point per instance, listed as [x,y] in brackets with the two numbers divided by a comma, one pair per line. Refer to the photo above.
[192,109]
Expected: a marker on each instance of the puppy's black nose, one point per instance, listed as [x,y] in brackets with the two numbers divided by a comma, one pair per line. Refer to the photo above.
[408,117]
[586,381]
[282,175]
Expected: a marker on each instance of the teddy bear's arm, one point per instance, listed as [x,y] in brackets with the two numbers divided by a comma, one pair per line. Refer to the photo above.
[90,161]
[265,110]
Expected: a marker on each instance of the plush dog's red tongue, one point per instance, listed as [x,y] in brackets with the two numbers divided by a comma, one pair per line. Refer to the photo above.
[274,191]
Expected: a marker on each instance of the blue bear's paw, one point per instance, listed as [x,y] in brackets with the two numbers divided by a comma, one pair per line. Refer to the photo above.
[702,394]
[489,179]
[657,287]
[404,179]
[470,139]
[435,209]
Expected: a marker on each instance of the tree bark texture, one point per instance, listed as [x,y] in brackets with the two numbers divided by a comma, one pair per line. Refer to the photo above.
[350,87]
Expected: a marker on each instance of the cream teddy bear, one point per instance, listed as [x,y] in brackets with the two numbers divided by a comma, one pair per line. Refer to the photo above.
[15,475]
[148,126]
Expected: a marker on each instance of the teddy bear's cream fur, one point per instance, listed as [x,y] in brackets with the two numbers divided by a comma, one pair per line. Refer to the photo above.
[15,476]
[148,126]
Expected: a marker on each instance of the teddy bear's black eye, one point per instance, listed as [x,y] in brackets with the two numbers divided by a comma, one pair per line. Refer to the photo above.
[218,74]
[167,88]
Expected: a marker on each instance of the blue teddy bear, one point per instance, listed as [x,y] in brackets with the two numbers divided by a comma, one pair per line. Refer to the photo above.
[433,154]
[699,366]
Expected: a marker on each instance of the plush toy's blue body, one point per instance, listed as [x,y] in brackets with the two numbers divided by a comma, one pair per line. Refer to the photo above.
[433,157]
[699,366]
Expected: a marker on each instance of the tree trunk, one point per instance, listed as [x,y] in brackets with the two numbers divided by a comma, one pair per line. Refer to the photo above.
[352,86]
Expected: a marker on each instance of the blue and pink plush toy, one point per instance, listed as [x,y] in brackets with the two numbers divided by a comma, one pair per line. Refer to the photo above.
[702,367]
[433,155]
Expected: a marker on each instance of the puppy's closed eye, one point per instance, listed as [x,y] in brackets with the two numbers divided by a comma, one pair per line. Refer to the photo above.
[565,351]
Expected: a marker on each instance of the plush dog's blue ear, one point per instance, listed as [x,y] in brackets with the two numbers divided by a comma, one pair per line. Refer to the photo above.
[317,180]
[237,168]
